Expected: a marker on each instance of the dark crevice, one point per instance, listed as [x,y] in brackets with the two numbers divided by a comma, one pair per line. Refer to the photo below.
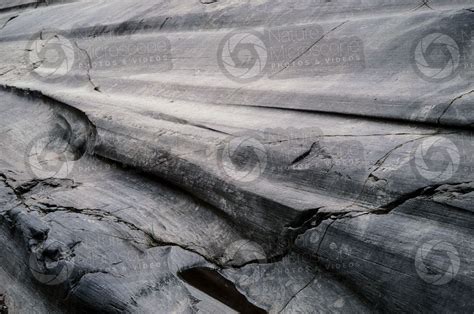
[303,155]
[308,220]
[207,1]
[31,185]
[5,179]
[173,119]
[421,192]
[304,218]
[217,287]
[314,147]
[89,68]
[164,22]
[7,71]
[8,21]
[297,292]
[209,128]
[451,104]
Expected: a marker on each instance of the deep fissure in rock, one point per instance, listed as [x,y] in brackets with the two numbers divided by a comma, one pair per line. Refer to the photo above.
[217,287]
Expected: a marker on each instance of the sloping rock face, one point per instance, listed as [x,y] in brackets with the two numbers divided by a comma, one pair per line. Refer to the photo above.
[228,156]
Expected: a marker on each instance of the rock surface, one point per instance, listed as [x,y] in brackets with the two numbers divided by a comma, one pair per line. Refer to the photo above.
[229,156]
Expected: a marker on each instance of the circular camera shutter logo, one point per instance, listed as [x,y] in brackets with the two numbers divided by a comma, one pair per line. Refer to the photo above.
[244,251]
[243,159]
[49,157]
[436,159]
[242,56]
[437,262]
[48,267]
[50,55]
[436,57]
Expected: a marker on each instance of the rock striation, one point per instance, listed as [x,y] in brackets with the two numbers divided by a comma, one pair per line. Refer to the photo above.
[228,156]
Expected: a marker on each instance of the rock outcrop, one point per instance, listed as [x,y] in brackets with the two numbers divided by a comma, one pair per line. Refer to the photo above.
[228,156]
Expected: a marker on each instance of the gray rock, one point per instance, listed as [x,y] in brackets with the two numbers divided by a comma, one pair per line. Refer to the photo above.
[228,156]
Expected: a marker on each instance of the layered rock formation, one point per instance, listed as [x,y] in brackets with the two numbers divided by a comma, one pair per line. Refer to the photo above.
[228,156]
